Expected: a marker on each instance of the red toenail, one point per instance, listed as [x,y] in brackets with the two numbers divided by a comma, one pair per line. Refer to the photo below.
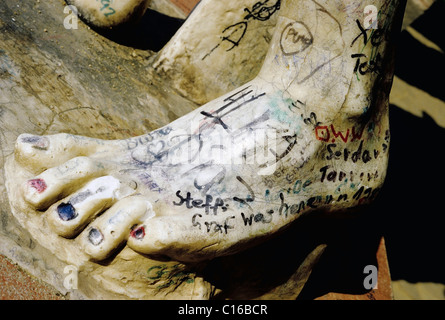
[138,233]
[38,184]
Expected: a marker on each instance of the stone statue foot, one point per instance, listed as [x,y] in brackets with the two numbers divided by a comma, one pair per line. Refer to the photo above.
[309,133]
[220,46]
[108,14]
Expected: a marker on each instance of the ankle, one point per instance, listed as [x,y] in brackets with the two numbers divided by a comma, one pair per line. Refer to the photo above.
[315,49]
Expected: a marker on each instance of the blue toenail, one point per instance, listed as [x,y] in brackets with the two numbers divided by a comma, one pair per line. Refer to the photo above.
[95,236]
[66,211]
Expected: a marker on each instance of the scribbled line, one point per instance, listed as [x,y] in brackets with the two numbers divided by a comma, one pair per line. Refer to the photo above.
[372,64]
[300,40]
[236,97]
[305,39]
[324,10]
[292,140]
[264,117]
[217,119]
[235,33]
[251,193]
[261,12]
[106,5]
[159,151]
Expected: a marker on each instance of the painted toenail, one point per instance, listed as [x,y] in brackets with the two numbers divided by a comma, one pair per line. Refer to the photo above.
[37,184]
[138,233]
[95,236]
[66,211]
[40,143]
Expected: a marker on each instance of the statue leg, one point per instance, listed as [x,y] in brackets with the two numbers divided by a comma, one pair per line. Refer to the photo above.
[309,133]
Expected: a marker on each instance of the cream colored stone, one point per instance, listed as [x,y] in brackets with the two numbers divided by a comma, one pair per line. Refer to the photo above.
[112,228]
[309,133]
[221,46]
[58,182]
[110,13]
[71,214]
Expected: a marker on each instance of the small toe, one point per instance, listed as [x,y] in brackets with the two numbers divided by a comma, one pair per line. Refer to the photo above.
[58,182]
[110,230]
[38,153]
[70,216]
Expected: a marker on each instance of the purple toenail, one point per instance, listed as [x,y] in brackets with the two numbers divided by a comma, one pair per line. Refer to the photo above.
[41,143]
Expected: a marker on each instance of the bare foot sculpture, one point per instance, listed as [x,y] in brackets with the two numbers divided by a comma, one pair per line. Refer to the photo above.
[309,133]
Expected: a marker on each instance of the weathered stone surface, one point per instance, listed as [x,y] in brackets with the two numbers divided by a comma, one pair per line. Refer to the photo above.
[219,48]
[18,285]
[70,80]
[109,14]
[72,93]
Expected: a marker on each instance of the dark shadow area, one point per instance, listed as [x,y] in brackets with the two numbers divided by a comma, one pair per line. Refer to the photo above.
[429,24]
[257,270]
[412,201]
[151,32]
[418,64]
[408,213]
[352,245]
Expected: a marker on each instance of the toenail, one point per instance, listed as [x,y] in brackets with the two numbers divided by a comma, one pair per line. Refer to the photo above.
[37,142]
[37,184]
[66,211]
[138,233]
[133,184]
[95,236]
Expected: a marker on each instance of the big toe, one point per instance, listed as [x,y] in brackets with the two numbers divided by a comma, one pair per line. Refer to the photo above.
[38,153]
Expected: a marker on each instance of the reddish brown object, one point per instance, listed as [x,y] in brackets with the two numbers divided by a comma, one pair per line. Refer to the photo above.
[383,290]
[185,5]
[16,284]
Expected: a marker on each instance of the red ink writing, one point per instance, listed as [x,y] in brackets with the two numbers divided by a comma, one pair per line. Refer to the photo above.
[323,133]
